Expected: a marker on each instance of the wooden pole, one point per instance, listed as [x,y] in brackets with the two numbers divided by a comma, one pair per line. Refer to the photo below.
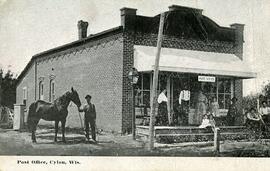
[133,113]
[155,83]
[217,140]
[169,99]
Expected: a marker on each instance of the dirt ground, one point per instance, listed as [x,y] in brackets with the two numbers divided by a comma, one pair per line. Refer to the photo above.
[19,143]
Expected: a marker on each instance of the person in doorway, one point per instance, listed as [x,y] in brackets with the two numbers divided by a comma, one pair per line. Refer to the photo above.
[232,112]
[201,107]
[214,107]
[89,118]
[184,98]
[264,112]
[162,109]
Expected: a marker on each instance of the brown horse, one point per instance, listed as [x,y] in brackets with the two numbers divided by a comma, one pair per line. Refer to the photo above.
[56,111]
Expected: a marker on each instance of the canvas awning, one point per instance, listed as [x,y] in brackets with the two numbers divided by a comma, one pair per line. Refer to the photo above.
[190,61]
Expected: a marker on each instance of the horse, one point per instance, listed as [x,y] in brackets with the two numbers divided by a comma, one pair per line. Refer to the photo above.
[56,111]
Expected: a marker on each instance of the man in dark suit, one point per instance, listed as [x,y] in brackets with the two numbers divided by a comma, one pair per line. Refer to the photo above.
[89,117]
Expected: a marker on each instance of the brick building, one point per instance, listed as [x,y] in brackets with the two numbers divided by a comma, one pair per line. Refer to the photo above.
[193,46]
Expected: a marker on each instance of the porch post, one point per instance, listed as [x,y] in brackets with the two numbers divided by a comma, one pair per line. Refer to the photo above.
[169,99]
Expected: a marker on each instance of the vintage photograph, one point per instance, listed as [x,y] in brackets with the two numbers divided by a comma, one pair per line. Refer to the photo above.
[181,78]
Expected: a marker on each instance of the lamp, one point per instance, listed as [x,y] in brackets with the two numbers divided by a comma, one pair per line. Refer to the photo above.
[133,76]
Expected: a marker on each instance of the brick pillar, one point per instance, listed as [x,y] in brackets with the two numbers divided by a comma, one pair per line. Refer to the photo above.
[239,95]
[128,63]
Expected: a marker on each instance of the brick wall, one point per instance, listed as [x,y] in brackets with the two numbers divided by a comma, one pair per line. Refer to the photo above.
[94,68]
[239,95]
[29,82]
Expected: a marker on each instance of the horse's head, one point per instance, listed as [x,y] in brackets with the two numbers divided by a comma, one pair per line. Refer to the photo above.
[74,97]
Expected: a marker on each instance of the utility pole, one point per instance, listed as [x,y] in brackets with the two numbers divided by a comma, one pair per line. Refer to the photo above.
[155,83]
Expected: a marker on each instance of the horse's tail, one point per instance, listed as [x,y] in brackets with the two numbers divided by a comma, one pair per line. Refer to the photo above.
[31,114]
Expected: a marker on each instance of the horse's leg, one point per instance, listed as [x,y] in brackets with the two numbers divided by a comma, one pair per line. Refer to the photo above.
[56,130]
[33,136]
[63,125]
[33,129]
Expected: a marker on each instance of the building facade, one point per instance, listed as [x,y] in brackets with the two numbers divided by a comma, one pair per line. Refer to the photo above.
[196,54]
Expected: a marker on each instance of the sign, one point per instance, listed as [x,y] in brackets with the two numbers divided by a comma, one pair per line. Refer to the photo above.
[203,78]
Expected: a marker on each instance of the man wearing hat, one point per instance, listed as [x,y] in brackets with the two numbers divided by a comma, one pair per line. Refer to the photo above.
[89,117]
[232,112]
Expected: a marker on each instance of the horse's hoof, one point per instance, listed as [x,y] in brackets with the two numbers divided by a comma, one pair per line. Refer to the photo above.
[34,141]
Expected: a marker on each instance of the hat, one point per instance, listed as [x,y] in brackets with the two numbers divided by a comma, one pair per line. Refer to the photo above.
[88,96]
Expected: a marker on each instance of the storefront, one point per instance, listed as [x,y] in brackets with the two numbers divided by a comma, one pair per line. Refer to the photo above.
[214,74]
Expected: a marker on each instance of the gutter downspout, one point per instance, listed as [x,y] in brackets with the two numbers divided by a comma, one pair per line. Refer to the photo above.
[35,80]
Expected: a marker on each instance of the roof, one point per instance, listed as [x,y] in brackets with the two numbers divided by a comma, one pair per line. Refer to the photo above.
[187,61]
[67,46]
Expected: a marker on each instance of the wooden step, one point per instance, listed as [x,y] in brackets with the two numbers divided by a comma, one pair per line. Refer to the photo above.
[199,137]
[144,130]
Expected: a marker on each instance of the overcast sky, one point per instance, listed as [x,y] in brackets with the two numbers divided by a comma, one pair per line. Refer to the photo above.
[28,27]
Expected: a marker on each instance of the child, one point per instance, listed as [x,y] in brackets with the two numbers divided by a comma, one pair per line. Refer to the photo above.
[205,121]
[208,121]
[214,107]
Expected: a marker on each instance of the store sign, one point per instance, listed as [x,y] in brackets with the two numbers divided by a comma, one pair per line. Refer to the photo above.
[202,78]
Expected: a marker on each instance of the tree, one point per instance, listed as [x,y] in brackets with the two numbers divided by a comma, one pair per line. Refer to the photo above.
[8,88]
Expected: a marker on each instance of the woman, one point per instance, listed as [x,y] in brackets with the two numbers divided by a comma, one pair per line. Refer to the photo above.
[162,109]
[253,120]
[200,107]
[232,112]
[214,107]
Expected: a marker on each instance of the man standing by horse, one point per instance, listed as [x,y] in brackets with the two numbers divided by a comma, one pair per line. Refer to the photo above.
[89,117]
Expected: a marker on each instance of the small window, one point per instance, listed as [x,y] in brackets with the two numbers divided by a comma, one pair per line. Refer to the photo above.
[52,91]
[25,93]
[41,90]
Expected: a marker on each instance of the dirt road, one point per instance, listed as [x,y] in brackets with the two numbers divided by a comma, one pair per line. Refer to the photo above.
[19,143]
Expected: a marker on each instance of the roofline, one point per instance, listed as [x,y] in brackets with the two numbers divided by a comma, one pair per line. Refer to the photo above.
[64,47]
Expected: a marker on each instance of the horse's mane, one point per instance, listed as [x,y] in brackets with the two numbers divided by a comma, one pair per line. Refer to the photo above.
[62,99]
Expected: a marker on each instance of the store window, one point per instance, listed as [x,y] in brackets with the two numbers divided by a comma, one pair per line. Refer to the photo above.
[41,90]
[142,96]
[52,91]
[224,93]
[221,89]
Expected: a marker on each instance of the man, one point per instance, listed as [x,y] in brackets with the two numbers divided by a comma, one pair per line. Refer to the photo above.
[89,117]
[264,111]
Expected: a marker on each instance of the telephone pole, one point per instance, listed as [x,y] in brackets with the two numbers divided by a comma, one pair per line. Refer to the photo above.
[155,83]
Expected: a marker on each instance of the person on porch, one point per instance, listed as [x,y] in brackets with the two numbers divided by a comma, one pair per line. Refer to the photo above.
[253,120]
[208,121]
[184,98]
[232,112]
[201,107]
[214,107]
[264,112]
[162,109]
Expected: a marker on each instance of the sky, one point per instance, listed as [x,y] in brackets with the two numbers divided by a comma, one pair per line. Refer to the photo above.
[28,27]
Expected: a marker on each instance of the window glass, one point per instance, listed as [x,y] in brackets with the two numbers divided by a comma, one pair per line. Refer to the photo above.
[52,91]
[142,91]
[41,89]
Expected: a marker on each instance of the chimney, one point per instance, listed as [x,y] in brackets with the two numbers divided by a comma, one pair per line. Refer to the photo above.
[82,29]
[239,39]
[125,13]
[185,9]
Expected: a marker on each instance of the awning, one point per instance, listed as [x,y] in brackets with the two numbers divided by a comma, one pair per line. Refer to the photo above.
[190,61]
